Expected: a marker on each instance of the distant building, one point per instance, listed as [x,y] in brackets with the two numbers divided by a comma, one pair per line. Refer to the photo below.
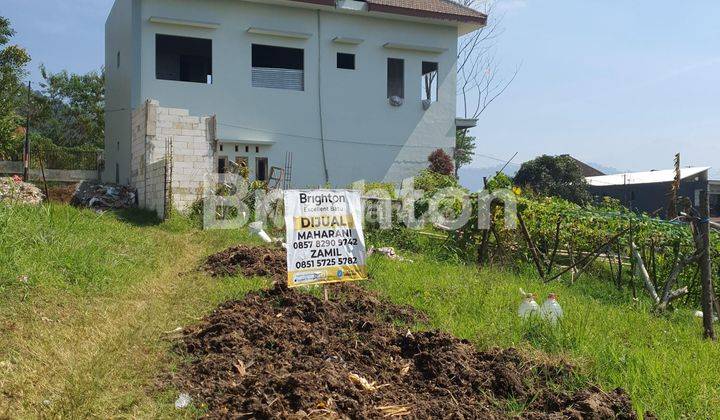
[715,198]
[586,169]
[647,192]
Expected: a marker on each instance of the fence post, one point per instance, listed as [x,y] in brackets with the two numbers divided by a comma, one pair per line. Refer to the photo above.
[26,148]
[706,266]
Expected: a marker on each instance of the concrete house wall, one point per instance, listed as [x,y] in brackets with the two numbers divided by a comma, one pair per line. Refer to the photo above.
[121,88]
[364,136]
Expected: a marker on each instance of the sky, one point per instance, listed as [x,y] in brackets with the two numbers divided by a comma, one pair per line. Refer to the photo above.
[622,84]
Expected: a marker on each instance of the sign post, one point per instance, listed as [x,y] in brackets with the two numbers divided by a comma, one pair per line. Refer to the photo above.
[324,236]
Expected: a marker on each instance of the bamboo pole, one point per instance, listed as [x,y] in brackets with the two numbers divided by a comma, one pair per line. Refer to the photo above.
[533,251]
[590,257]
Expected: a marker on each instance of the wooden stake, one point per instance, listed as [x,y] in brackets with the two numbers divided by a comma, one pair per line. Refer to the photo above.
[619,260]
[325,292]
[42,170]
[533,251]
[632,261]
[706,267]
[644,273]
[26,146]
[482,256]
[556,243]
[589,258]
[483,249]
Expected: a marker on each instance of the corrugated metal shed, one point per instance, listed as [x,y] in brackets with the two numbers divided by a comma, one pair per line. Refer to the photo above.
[650,177]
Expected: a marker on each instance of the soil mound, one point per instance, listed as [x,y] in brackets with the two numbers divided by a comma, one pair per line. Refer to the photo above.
[287,354]
[250,261]
[62,193]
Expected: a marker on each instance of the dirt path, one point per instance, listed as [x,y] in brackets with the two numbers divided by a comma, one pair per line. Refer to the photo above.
[101,356]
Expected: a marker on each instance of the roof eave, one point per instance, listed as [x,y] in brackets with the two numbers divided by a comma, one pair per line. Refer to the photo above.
[381,8]
[318,2]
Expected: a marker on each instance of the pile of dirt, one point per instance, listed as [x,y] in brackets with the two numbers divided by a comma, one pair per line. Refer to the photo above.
[104,196]
[15,191]
[62,193]
[287,354]
[249,261]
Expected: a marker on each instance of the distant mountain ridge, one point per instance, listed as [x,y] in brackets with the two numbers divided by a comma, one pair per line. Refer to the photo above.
[472,177]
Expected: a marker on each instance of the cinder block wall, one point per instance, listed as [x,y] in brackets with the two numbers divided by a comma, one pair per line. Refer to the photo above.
[170,144]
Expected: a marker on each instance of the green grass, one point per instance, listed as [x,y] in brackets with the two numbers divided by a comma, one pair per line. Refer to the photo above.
[661,361]
[88,334]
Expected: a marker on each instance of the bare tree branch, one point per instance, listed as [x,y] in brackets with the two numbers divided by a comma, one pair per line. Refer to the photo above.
[479,83]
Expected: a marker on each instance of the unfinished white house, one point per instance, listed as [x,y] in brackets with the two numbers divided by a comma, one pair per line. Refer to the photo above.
[312,92]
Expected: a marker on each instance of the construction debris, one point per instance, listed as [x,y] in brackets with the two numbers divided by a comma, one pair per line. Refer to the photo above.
[99,196]
[15,191]
[387,251]
[183,401]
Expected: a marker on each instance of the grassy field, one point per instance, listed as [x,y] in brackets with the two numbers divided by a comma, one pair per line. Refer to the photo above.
[86,336]
[90,331]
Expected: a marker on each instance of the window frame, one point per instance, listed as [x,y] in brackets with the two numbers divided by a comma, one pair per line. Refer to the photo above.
[340,55]
[260,72]
[436,82]
[209,78]
[400,62]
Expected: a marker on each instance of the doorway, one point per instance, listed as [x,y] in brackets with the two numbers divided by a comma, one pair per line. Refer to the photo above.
[261,168]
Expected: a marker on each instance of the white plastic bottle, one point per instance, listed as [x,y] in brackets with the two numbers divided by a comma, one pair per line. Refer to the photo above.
[528,307]
[551,309]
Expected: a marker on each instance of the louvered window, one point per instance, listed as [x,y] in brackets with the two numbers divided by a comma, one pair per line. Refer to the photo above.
[278,67]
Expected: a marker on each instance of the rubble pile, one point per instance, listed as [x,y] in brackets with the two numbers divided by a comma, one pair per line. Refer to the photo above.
[104,196]
[14,190]
[387,251]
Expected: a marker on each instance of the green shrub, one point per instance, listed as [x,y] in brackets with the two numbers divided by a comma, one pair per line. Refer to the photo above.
[383,186]
[430,182]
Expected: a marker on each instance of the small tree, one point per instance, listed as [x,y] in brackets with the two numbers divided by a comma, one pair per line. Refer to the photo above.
[464,149]
[554,176]
[441,162]
[73,108]
[13,60]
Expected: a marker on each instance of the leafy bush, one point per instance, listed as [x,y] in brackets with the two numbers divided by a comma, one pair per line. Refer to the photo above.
[441,162]
[196,210]
[430,182]
[554,176]
[382,186]
[498,182]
